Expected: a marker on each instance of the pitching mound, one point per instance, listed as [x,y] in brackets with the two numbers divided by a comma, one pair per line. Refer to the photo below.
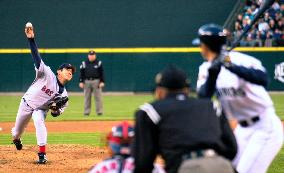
[61,158]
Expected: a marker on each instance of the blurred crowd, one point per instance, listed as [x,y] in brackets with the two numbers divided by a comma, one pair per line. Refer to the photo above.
[268,30]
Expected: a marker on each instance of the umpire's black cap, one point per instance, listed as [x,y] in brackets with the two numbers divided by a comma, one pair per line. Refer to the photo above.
[172,78]
[92,52]
[67,66]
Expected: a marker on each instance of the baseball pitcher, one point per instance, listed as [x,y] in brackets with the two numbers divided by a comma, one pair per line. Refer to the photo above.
[240,82]
[47,92]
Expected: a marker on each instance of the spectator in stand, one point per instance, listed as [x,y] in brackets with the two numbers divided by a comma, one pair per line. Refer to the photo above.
[268,31]
[246,21]
[282,9]
[258,39]
[278,16]
[254,9]
[249,14]
[240,19]
[277,34]
[262,25]
[238,26]
[266,17]
[280,25]
[272,25]
[229,37]
[276,6]
[268,41]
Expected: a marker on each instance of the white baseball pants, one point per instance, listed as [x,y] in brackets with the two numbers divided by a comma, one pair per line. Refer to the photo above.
[24,115]
[258,144]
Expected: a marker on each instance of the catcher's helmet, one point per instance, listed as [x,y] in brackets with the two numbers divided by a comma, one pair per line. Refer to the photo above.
[120,138]
[213,36]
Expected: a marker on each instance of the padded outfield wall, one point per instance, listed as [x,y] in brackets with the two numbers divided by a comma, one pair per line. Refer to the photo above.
[111,24]
[123,71]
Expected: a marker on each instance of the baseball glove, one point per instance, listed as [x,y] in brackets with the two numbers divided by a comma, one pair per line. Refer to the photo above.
[56,104]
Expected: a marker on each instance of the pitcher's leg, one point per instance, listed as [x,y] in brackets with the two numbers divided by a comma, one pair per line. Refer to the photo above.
[41,134]
[39,123]
[88,98]
[22,120]
[98,98]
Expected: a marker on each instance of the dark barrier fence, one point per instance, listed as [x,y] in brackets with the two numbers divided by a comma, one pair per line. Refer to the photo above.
[125,71]
[109,23]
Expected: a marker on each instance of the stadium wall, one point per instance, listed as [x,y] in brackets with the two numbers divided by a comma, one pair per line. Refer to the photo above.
[109,23]
[124,71]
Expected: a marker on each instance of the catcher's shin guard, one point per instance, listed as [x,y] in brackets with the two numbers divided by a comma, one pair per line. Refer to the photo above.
[18,144]
[42,158]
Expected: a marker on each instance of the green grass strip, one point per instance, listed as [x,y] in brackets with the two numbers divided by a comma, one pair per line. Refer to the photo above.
[95,139]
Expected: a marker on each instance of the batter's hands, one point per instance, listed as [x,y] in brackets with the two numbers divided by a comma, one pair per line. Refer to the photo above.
[29,30]
[81,85]
[225,58]
[101,85]
[222,59]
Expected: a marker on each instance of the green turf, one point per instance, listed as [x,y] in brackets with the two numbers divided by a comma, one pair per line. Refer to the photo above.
[96,139]
[116,107]
[277,165]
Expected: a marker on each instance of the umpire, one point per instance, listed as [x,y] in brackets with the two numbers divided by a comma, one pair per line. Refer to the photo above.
[92,79]
[192,135]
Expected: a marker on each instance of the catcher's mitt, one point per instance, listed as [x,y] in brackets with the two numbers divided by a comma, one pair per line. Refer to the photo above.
[56,104]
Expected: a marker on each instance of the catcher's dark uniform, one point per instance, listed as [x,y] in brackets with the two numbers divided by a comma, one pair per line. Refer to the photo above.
[177,126]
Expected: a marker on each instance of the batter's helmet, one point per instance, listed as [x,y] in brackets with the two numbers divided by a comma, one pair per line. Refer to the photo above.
[120,138]
[213,36]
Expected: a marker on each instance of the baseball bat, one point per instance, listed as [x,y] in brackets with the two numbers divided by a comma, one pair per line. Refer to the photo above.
[264,6]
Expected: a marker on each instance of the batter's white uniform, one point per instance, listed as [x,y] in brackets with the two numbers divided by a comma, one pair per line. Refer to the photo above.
[259,143]
[112,166]
[35,103]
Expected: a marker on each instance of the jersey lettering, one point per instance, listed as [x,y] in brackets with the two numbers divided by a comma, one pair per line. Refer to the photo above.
[46,90]
[230,92]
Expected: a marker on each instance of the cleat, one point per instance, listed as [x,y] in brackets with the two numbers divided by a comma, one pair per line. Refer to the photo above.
[18,144]
[42,158]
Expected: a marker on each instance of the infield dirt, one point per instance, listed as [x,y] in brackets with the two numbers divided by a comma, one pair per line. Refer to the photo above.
[61,158]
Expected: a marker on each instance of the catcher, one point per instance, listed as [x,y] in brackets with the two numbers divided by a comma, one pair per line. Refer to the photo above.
[119,141]
[47,92]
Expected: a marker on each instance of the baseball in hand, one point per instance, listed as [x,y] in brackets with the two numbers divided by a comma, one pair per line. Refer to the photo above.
[29,25]
[29,30]
[101,85]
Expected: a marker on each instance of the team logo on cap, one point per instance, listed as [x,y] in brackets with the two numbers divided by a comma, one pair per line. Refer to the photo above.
[279,72]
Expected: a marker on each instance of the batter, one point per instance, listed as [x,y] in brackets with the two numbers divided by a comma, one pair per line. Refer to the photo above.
[240,82]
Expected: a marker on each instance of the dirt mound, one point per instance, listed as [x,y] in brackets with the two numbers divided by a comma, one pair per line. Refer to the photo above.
[61,158]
